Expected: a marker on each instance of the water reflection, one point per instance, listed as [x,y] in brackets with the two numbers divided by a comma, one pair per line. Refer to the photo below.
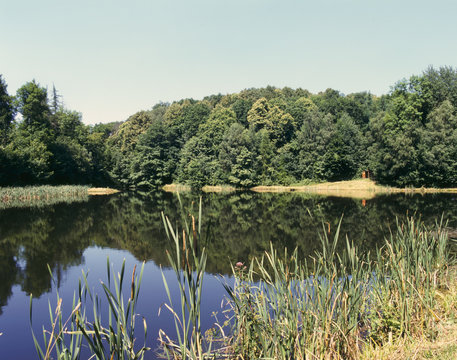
[237,226]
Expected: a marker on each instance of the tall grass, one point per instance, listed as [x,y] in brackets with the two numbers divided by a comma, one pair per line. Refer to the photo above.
[333,306]
[411,267]
[112,340]
[41,195]
[299,309]
[188,262]
[336,305]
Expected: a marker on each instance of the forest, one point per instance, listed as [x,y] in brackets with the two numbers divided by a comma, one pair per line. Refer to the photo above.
[266,136]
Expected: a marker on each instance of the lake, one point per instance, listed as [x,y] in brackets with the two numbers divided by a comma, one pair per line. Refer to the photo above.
[80,236]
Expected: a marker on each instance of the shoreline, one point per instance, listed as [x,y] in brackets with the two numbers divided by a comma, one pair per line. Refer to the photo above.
[359,189]
[102,191]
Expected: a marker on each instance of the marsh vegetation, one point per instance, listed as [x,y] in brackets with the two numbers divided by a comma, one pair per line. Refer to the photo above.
[41,195]
[281,305]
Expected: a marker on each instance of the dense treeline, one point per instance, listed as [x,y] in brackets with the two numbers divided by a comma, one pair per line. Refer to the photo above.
[258,136]
[47,143]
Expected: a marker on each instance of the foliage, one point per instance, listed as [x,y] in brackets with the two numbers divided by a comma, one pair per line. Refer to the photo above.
[265,136]
[337,305]
[115,340]
[188,260]
[7,111]
[49,144]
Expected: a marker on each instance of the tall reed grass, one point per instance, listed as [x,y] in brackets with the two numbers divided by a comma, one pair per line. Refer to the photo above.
[188,262]
[332,306]
[112,340]
[335,305]
[41,195]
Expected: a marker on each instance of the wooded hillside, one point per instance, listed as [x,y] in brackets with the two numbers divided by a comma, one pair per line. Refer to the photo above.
[257,136]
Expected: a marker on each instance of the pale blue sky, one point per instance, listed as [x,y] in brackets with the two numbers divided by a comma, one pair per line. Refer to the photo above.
[110,59]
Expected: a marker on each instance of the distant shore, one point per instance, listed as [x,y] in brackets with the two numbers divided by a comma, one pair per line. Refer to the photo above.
[359,189]
[101,191]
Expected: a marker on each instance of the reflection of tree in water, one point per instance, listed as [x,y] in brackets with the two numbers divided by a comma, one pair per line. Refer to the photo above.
[8,272]
[236,227]
[37,237]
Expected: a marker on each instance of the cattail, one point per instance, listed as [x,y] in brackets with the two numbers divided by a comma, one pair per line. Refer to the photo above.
[133,283]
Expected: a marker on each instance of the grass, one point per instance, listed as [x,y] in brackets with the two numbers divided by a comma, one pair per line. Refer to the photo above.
[176,188]
[41,195]
[397,303]
[112,339]
[336,306]
[218,188]
[358,189]
[441,346]
[101,191]
[364,189]
[188,263]
[47,195]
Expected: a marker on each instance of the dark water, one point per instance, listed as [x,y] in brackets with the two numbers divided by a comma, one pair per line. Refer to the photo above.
[80,236]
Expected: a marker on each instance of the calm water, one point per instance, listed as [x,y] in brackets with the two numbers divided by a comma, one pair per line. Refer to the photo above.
[80,236]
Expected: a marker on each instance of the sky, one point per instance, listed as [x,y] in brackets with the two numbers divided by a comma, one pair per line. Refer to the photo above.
[110,59]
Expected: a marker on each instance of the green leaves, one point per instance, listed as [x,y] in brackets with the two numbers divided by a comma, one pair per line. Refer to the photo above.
[188,260]
[7,112]
[115,340]
[32,103]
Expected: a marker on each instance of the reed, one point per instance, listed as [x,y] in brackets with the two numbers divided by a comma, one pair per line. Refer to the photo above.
[114,340]
[337,305]
[63,338]
[332,306]
[41,195]
[411,268]
[188,262]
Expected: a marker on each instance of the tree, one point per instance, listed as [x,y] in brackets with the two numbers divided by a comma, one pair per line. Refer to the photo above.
[72,161]
[32,103]
[395,135]
[311,145]
[199,157]
[33,138]
[186,117]
[344,154]
[7,113]
[126,137]
[241,107]
[279,125]
[56,103]
[298,110]
[329,102]
[238,158]
[438,85]
[438,147]
[155,158]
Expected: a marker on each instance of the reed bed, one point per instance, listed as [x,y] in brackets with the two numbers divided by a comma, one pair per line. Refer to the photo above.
[332,306]
[69,337]
[188,263]
[41,195]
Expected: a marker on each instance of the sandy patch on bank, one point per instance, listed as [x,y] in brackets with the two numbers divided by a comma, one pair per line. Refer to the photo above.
[102,191]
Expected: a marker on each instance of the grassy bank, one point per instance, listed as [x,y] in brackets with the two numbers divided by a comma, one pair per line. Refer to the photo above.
[101,191]
[357,189]
[47,195]
[41,195]
[360,188]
